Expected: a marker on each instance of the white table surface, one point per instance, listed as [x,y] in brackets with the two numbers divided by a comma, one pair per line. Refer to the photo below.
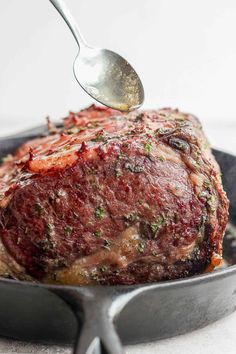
[217,338]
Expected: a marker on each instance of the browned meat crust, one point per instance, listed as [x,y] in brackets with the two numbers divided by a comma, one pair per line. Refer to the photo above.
[113,199]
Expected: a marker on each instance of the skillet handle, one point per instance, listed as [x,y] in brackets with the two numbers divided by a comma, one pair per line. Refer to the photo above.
[95,312]
[98,335]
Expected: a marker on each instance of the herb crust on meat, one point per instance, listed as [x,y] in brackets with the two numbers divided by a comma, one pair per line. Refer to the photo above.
[112,198]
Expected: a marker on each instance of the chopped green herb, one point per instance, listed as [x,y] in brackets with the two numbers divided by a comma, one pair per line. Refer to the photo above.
[7,158]
[94,124]
[103,268]
[118,173]
[99,137]
[92,170]
[133,168]
[201,226]
[125,145]
[121,156]
[203,194]
[205,146]
[76,130]
[195,164]
[161,158]
[155,226]
[148,147]
[162,114]
[95,185]
[131,217]
[49,229]
[39,209]
[140,247]
[94,275]
[211,202]
[67,147]
[68,230]
[82,273]
[98,233]
[206,184]
[99,212]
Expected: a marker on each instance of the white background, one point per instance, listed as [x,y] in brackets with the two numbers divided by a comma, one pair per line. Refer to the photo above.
[185,52]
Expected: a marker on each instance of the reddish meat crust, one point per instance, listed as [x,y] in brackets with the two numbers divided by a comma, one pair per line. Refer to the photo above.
[113,199]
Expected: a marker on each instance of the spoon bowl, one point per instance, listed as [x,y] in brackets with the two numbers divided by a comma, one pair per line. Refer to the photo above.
[103,74]
[108,78]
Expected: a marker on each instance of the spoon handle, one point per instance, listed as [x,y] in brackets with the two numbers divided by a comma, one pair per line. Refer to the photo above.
[69,19]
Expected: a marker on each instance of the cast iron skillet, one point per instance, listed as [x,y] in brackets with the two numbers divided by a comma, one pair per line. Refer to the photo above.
[95,318]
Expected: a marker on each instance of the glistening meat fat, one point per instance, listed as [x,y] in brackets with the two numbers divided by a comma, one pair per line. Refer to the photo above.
[112,199]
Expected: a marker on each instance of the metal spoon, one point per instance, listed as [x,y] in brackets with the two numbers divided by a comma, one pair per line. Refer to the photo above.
[103,74]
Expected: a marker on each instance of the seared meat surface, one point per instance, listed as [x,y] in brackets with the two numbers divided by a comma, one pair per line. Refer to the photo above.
[112,199]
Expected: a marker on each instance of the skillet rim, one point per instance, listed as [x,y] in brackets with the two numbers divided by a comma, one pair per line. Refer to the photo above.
[193,280]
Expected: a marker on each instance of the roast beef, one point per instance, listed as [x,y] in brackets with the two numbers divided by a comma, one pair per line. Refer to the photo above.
[112,198]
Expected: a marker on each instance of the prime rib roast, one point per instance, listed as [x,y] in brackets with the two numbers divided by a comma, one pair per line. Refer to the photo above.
[112,198]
